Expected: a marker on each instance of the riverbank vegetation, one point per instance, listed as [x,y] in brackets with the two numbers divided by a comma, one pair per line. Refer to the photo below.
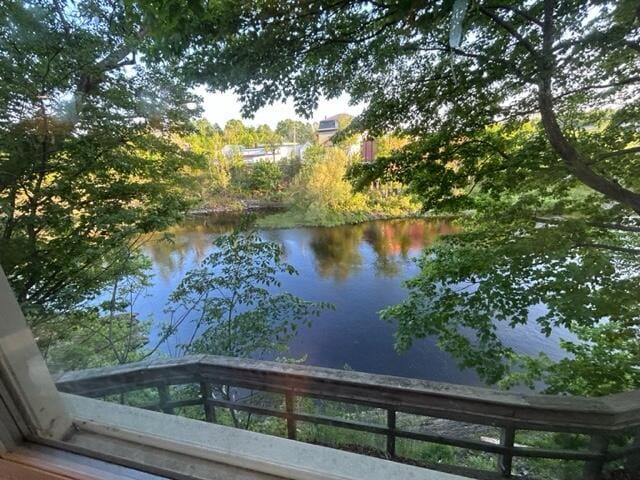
[226,182]
[310,186]
[321,195]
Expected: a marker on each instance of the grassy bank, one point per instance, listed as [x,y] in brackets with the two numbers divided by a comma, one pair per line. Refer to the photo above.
[363,209]
[239,203]
[297,218]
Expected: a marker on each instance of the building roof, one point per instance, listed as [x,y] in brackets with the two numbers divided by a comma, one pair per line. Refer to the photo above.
[254,152]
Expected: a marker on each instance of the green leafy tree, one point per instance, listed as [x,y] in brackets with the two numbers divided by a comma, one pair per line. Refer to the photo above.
[321,186]
[88,161]
[208,140]
[296,131]
[265,135]
[523,114]
[313,154]
[268,139]
[264,177]
[235,306]
[233,301]
[236,133]
[539,247]
[109,333]
[386,145]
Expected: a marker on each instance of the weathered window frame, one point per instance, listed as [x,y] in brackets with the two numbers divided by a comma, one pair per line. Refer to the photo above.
[30,405]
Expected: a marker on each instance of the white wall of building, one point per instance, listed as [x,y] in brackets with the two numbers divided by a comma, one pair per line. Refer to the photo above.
[277,153]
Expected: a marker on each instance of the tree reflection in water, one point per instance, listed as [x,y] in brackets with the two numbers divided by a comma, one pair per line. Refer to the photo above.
[179,247]
[338,252]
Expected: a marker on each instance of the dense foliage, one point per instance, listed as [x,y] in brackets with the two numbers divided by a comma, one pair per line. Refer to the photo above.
[321,184]
[312,187]
[264,176]
[296,131]
[88,165]
[225,177]
[107,333]
[320,194]
[232,299]
[523,115]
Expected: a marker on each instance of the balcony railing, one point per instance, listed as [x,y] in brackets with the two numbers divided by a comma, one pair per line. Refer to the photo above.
[612,423]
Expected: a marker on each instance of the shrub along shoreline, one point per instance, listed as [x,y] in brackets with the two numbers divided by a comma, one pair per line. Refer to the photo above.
[276,215]
[296,218]
[311,191]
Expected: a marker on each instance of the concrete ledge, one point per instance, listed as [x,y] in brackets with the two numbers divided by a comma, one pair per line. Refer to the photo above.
[247,450]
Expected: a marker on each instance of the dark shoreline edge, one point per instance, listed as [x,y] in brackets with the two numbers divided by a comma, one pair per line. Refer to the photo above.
[267,209]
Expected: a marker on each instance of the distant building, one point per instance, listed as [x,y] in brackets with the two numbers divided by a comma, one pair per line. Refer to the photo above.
[326,129]
[269,153]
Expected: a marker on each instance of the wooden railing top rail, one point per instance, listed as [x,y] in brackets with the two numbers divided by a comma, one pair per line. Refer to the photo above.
[606,415]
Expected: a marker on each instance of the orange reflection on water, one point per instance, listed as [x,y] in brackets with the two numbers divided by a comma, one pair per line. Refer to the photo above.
[337,251]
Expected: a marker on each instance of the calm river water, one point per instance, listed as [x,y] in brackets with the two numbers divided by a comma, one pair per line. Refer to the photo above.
[359,268]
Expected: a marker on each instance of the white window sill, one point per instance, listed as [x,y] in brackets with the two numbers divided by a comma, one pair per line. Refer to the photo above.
[248,451]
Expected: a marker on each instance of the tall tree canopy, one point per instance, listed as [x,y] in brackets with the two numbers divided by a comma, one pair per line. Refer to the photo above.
[525,114]
[296,131]
[87,159]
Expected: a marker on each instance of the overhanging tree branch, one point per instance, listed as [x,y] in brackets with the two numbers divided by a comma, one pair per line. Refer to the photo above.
[572,158]
[521,13]
[617,153]
[586,88]
[604,225]
[513,31]
[613,248]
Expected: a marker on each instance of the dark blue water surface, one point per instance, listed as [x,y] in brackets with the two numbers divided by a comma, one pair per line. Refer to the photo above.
[361,270]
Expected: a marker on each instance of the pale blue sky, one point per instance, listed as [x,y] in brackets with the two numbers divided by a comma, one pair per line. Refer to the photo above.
[223,106]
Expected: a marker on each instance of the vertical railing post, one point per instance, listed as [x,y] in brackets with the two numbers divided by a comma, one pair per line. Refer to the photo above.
[632,462]
[289,400]
[505,460]
[593,469]
[391,436]
[209,410]
[163,393]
